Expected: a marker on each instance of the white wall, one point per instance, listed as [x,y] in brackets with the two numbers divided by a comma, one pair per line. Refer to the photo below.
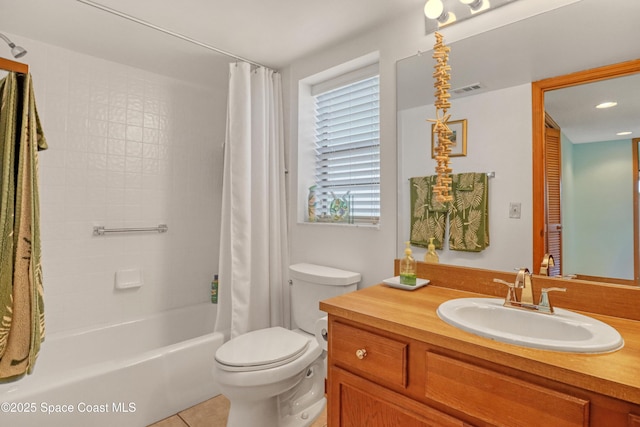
[126,148]
[371,251]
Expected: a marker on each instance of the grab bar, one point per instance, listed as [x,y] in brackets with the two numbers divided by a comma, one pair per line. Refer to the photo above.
[101,231]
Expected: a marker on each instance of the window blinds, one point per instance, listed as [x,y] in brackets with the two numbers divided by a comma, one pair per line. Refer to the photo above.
[348,149]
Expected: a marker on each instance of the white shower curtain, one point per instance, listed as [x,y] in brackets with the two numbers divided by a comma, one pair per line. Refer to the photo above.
[253,259]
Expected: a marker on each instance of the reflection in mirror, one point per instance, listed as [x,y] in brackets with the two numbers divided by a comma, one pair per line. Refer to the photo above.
[504,146]
[498,140]
[585,175]
[504,61]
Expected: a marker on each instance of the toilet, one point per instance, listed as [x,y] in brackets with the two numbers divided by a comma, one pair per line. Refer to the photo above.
[275,376]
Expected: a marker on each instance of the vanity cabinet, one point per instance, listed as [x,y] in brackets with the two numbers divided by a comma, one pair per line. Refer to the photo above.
[371,384]
[388,368]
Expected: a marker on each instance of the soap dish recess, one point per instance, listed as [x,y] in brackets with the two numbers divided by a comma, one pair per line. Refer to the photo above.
[128,279]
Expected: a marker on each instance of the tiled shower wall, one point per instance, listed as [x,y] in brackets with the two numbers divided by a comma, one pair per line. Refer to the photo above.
[127,148]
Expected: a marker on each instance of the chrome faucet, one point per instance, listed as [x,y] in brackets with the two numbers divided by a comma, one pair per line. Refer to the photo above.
[525,302]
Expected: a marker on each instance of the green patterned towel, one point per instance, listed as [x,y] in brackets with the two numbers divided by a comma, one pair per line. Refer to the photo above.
[428,216]
[469,213]
[21,302]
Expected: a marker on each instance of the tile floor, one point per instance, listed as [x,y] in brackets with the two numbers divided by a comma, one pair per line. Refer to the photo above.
[212,413]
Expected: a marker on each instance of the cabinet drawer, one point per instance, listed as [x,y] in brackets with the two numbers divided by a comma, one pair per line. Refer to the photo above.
[500,399]
[369,354]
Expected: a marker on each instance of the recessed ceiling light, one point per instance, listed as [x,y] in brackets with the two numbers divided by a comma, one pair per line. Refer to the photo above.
[623,133]
[607,104]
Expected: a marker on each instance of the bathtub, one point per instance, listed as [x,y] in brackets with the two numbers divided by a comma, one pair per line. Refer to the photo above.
[128,374]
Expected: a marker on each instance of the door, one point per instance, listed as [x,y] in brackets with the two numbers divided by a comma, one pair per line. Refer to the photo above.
[553,218]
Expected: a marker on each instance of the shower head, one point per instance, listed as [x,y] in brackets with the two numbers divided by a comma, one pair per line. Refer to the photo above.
[16,51]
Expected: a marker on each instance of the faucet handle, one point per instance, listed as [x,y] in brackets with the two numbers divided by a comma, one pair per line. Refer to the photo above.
[504,282]
[511,293]
[545,305]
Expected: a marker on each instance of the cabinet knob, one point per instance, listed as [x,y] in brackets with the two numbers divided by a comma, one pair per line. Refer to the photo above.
[361,353]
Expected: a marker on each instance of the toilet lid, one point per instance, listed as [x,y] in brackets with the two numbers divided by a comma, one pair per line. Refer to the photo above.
[262,349]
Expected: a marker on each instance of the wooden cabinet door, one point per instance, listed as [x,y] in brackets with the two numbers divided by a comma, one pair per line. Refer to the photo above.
[357,402]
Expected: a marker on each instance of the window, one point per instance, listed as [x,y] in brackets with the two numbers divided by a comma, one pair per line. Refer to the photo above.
[347,144]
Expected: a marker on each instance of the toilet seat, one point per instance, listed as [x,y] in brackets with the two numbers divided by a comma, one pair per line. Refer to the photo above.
[261,349]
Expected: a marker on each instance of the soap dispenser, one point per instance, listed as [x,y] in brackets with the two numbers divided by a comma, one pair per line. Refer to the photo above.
[408,268]
[431,255]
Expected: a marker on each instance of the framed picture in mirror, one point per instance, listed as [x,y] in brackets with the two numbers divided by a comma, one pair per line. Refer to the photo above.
[458,139]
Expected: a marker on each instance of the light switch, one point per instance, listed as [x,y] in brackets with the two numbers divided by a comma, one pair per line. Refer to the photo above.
[514,209]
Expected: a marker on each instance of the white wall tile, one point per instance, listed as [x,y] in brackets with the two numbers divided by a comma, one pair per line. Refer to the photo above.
[126,148]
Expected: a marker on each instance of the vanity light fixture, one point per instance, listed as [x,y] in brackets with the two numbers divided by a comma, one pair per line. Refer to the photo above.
[442,13]
[607,104]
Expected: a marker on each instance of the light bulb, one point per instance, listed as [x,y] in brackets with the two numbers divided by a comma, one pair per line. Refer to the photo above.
[446,18]
[433,9]
[476,5]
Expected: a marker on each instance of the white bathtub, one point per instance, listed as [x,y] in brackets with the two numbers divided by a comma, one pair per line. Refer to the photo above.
[128,374]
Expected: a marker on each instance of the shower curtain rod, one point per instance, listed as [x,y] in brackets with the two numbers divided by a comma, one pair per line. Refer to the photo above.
[169,32]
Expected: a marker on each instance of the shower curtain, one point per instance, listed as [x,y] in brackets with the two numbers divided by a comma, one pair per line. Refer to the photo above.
[253,248]
[21,293]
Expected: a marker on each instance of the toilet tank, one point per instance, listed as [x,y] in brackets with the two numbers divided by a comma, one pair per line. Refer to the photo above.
[311,284]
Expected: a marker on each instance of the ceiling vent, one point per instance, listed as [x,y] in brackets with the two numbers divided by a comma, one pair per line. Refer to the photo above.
[467,89]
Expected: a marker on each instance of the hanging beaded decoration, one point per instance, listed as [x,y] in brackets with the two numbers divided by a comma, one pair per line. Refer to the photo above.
[442,189]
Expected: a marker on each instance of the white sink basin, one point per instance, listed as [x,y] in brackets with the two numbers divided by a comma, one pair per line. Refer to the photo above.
[563,331]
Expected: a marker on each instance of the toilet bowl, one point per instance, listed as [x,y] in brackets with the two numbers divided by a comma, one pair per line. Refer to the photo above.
[274,377]
[257,368]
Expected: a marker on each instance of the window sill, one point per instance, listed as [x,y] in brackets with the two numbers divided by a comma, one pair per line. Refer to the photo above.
[340,224]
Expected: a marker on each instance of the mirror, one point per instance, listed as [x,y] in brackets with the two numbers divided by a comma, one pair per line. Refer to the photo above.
[605,247]
[508,155]
[505,61]
[498,140]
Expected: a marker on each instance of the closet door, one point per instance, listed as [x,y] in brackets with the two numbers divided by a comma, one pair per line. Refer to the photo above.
[553,218]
